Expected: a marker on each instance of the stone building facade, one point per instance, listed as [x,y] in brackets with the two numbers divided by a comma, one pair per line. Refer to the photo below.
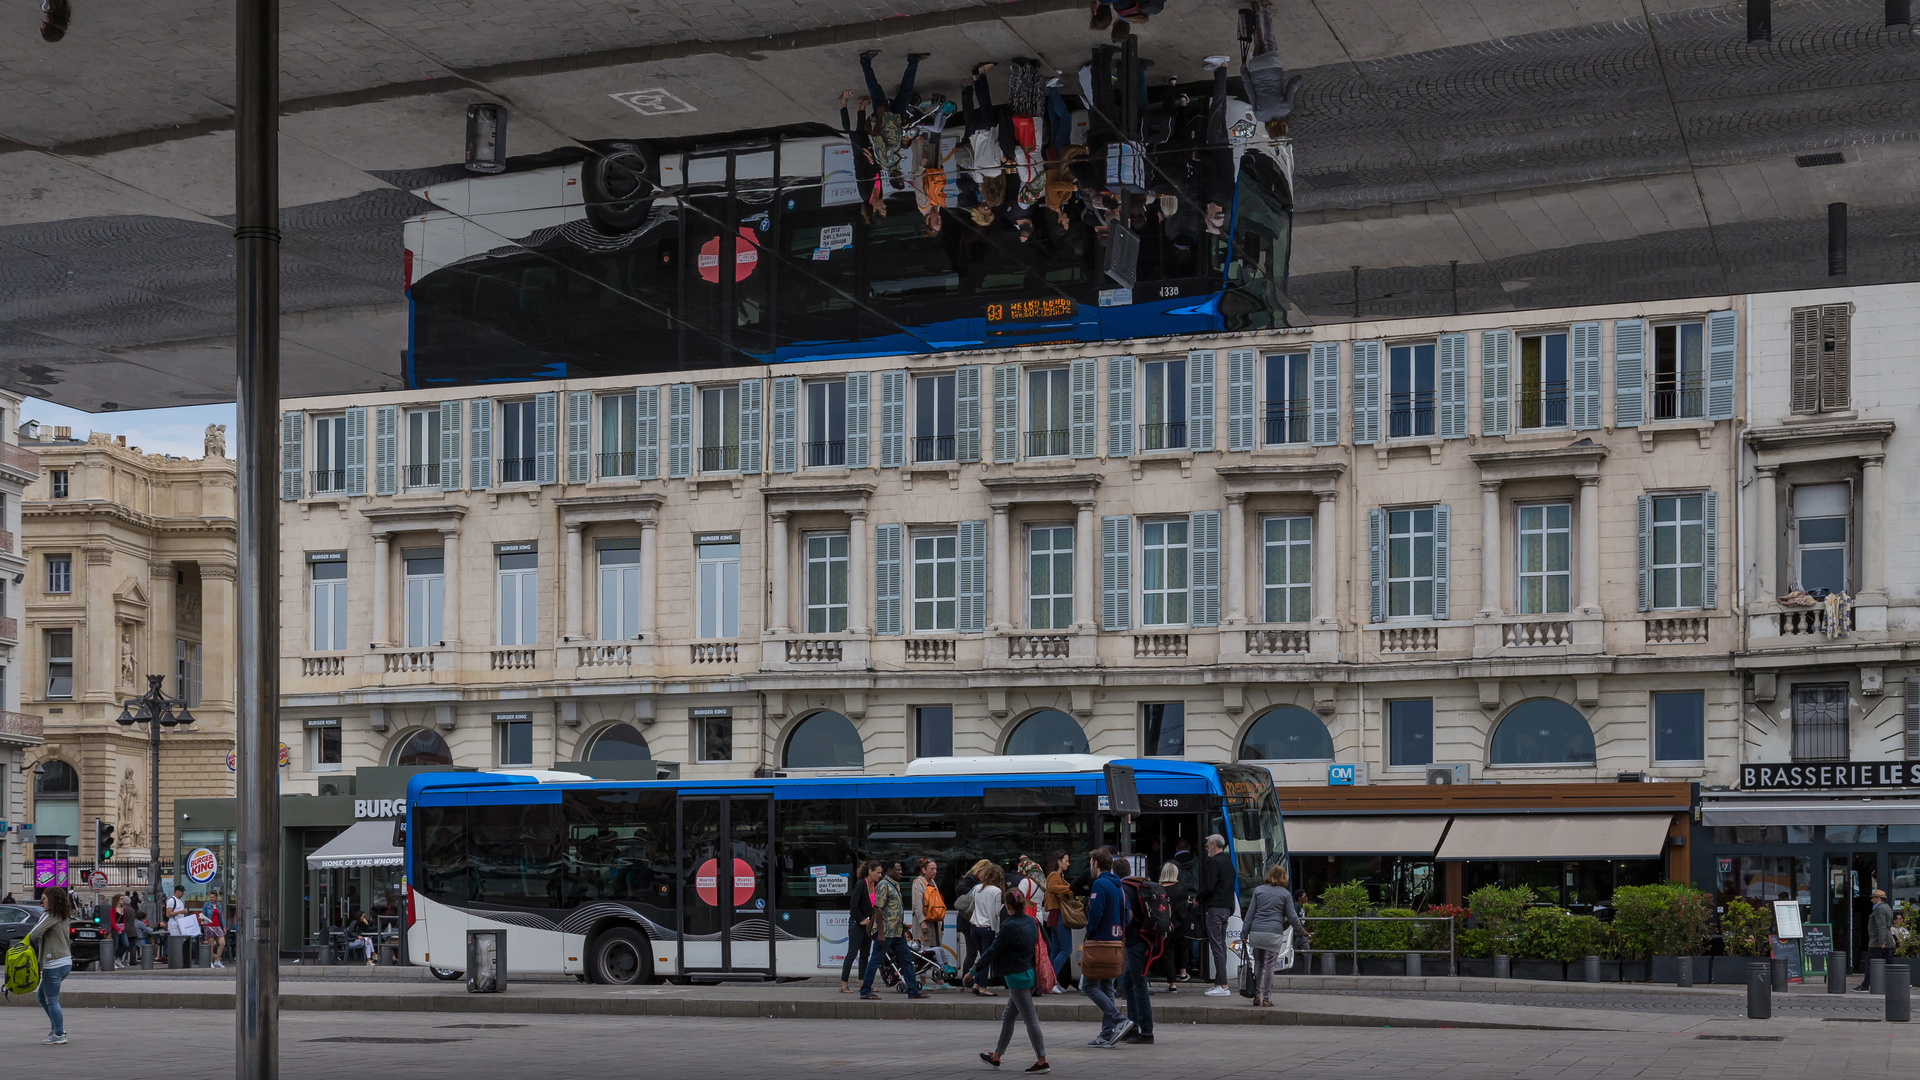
[20,732]
[130,573]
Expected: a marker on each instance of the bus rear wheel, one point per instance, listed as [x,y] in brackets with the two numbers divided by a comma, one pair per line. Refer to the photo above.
[620,957]
[619,184]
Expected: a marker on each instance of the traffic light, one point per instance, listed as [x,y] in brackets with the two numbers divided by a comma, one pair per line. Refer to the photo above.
[102,840]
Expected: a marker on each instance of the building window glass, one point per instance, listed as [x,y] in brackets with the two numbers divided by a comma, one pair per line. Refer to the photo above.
[517,442]
[421,747]
[1050,578]
[827,424]
[1165,726]
[59,573]
[423,448]
[329,454]
[1820,722]
[426,590]
[617,435]
[1679,372]
[324,751]
[1410,732]
[519,587]
[933,731]
[825,740]
[1410,562]
[1546,558]
[619,593]
[713,736]
[1048,416]
[826,584]
[1048,731]
[329,605]
[60,663]
[1821,537]
[1288,555]
[1287,403]
[1543,731]
[1409,391]
[935,582]
[1679,551]
[719,604]
[1680,727]
[720,429]
[57,483]
[186,671]
[618,742]
[513,740]
[1287,733]
[1165,389]
[1163,579]
[933,416]
[1543,380]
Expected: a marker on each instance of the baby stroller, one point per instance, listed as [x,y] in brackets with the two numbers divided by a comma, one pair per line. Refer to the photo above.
[936,965]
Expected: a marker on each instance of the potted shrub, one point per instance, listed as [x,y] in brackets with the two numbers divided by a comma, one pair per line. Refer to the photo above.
[1475,950]
[1659,923]
[1328,920]
[1384,944]
[1499,912]
[1746,934]
[1437,931]
[1581,936]
[1543,945]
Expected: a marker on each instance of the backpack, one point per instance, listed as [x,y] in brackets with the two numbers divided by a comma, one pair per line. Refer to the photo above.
[963,906]
[23,969]
[933,906]
[1152,911]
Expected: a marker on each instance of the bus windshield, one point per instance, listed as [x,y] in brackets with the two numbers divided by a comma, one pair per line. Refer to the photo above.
[1253,813]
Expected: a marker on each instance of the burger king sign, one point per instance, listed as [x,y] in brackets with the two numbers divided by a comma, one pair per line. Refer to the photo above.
[202,864]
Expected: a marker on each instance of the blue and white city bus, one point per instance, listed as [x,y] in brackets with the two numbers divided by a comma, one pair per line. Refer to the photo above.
[624,882]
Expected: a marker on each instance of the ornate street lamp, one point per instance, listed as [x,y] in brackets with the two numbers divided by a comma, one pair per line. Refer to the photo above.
[156,710]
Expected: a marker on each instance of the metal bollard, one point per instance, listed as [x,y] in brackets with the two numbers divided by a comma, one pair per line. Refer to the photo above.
[1877,975]
[1503,967]
[1413,965]
[1683,971]
[1899,993]
[176,952]
[203,951]
[1593,969]
[1779,973]
[1837,973]
[1326,964]
[146,955]
[1759,992]
[106,955]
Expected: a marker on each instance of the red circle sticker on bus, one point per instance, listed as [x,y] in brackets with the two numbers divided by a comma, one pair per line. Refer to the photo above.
[746,257]
[743,882]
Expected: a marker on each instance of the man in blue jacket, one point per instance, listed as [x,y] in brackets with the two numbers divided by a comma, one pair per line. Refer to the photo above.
[1107,917]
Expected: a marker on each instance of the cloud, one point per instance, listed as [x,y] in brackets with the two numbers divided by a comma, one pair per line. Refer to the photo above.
[180,432]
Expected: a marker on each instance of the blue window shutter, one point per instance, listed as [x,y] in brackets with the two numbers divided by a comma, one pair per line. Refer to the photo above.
[783,426]
[1584,401]
[293,429]
[579,436]
[450,446]
[750,436]
[1242,398]
[479,444]
[1324,367]
[1366,392]
[1120,406]
[971,614]
[357,450]
[889,542]
[546,438]
[1203,561]
[1452,376]
[1496,382]
[1082,377]
[1376,566]
[1006,414]
[1629,374]
[966,408]
[386,449]
[1200,399]
[1441,546]
[1722,336]
[1116,572]
[859,413]
[680,430]
[893,419]
[646,433]
[1710,551]
[1645,557]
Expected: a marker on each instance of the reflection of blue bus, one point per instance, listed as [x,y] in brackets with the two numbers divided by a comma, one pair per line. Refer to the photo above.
[518,276]
[626,881]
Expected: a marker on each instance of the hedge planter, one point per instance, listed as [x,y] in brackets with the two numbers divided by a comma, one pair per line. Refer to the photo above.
[1382,965]
[1479,967]
[1703,971]
[1609,971]
[1548,970]
[1635,971]
[1729,970]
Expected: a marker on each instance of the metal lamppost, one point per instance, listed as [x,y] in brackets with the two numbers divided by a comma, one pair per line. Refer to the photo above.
[156,710]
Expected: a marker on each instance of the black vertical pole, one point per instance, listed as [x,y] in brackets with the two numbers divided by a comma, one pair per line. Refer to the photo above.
[1899,12]
[1836,239]
[1759,20]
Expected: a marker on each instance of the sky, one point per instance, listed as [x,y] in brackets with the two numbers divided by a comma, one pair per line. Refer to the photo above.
[180,432]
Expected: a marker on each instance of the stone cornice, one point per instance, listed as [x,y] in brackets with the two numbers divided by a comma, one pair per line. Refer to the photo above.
[1581,459]
[218,571]
[52,510]
[426,517]
[1300,477]
[1041,487]
[57,455]
[1846,438]
[628,506]
[801,497]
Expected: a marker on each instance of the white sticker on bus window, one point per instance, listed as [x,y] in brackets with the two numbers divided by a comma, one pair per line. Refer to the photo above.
[836,236]
[816,871]
[830,885]
[821,254]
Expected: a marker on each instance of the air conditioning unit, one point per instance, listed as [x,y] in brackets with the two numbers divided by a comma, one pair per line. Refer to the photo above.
[337,787]
[1461,773]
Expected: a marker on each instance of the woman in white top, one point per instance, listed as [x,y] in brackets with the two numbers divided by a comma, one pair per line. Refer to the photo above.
[984,919]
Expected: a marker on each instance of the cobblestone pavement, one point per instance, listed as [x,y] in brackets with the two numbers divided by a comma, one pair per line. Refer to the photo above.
[1813,1003]
[187,1045]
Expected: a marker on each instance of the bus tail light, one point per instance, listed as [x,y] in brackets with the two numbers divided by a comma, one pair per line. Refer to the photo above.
[410,915]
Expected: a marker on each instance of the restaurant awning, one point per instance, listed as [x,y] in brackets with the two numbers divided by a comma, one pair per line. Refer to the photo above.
[1837,812]
[365,843]
[1555,836]
[1364,835]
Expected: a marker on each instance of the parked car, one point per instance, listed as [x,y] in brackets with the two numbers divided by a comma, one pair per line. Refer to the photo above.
[15,921]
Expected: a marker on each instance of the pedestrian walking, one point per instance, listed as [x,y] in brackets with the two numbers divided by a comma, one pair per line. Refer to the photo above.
[1879,938]
[888,125]
[859,922]
[1010,958]
[1030,884]
[1187,926]
[1103,952]
[1271,917]
[889,939]
[1144,940]
[1056,909]
[1269,90]
[51,938]
[1216,900]
[215,928]
[117,926]
[929,906]
[181,922]
[984,920]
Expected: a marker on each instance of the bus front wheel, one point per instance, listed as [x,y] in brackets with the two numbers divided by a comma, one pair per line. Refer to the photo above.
[619,184]
[620,957]
[447,974]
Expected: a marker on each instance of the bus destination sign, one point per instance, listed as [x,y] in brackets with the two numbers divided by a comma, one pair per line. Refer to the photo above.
[1052,308]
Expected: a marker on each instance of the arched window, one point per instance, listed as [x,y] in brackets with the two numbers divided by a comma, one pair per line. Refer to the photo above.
[825,740]
[1542,732]
[56,801]
[618,742]
[1287,733]
[55,779]
[1048,731]
[421,747]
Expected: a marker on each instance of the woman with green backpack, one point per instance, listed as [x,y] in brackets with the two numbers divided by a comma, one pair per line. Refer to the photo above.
[1010,958]
[51,942]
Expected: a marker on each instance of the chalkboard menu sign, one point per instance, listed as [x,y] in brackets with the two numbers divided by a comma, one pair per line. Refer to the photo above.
[1788,949]
[1816,943]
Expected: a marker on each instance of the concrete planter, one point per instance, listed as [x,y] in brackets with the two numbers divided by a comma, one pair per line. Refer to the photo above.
[1475,967]
[1727,970]
[1634,971]
[1549,970]
[1609,971]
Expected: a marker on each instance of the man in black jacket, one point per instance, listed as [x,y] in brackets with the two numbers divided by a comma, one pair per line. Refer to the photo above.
[1216,899]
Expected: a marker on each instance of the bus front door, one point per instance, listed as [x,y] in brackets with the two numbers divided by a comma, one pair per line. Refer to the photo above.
[726,903]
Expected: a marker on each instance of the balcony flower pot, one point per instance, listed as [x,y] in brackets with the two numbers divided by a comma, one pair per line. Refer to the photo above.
[1547,970]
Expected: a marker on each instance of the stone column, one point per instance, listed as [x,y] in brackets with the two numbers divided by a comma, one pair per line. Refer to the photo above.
[382,600]
[777,613]
[574,583]
[161,617]
[1766,531]
[1490,575]
[1588,550]
[450,586]
[1000,589]
[649,579]
[1086,556]
[1233,554]
[1872,517]
[217,631]
[859,604]
[1324,582]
